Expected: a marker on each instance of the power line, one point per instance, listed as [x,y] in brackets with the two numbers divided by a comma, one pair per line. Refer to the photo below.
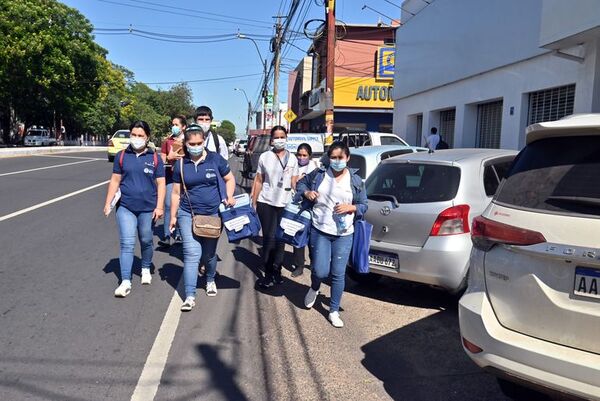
[202,80]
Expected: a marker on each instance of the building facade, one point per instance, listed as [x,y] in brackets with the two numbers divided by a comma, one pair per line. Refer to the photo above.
[481,71]
[362,93]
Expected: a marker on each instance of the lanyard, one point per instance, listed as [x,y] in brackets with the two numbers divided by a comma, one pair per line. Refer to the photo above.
[286,158]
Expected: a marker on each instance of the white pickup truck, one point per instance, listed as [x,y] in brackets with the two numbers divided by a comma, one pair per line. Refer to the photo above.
[365,138]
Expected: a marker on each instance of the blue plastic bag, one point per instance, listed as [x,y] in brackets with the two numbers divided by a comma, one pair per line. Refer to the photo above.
[360,246]
[240,221]
[294,226]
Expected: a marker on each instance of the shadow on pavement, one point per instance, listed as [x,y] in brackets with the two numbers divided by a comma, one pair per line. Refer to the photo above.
[223,376]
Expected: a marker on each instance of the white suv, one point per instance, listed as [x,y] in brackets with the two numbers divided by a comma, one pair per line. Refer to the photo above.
[531,313]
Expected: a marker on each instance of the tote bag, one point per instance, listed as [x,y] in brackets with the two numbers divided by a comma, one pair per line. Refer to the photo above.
[241,220]
[360,246]
[294,226]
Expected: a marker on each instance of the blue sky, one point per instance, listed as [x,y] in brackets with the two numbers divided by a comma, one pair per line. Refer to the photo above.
[161,61]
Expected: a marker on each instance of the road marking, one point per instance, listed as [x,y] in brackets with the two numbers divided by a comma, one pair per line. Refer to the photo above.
[45,168]
[147,385]
[72,157]
[51,201]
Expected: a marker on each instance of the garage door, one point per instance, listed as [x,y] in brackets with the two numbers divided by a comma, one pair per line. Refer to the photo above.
[447,120]
[489,125]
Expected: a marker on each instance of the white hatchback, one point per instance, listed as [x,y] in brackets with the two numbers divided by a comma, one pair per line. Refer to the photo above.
[531,313]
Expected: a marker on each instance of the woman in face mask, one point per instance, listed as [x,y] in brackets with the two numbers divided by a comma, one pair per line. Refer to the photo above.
[140,175]
[171,151]
[208,182]
[305,166]
[276,175]
[338,197]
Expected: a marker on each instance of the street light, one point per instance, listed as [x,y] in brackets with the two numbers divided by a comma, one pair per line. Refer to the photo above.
[264,89]
[249,110]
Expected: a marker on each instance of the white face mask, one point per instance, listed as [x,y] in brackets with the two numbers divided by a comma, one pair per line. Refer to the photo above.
[137,143]
[279,143]
[205,127]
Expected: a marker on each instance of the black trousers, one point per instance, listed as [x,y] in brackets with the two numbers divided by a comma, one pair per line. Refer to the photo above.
[273,250]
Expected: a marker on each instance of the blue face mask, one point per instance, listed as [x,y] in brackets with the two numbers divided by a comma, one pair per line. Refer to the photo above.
[195,150]
[175,131]
[337,165]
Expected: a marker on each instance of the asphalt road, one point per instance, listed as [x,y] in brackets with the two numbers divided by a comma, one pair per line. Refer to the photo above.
[63,336]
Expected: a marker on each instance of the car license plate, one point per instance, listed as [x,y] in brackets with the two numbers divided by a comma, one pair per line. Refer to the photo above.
[388,261]
[587,282]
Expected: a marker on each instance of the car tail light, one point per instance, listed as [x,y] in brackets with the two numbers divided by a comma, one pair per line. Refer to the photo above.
[487,233]
[110,143]
[471,347]
[452,221]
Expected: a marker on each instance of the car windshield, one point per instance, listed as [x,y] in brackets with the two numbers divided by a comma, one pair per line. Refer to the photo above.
[414,183]
[359,163]
[121,134]
[35,133]
[552,175]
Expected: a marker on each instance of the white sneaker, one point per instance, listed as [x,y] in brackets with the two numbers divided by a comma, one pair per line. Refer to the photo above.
[334,318]
[310,298]
[211,289]
[188,304]
[146,277]
[124,289]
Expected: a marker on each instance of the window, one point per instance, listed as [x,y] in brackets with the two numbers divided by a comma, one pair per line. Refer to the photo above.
[121,134]
[391,140]
[394,153]
[446,128]
[555,175]
[414,183]
[494,174]
[551,104]
[359,163]
[489,125]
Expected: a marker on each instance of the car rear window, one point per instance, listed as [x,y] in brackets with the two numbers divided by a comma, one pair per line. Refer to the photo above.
[556,175]
[121,134]
[414,183]
[359,163]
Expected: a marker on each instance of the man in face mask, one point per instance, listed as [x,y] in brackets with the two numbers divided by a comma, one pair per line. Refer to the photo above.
[214,142]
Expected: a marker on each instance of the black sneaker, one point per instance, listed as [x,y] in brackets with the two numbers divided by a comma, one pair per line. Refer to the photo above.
[266,282]
[165,243]
[298,271]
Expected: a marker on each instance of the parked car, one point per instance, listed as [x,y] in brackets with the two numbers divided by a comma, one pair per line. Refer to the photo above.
[366,159]
[119,141]
[531,313]
[257,145]
[39,137]
[355,139]
[240,147]
[420,206]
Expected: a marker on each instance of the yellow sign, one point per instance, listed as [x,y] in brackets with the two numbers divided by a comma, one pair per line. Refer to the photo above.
[361,92]
[290,116]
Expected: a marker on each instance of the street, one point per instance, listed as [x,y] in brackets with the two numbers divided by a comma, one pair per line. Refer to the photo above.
[64,336]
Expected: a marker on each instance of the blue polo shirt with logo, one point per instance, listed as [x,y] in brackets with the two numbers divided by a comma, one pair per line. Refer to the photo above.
[138,179]
[205,192]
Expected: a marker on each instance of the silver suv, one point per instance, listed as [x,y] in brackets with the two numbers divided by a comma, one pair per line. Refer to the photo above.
[421,205]
[531,313]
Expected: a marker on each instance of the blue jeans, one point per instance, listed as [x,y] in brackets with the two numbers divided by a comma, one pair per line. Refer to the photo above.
[329,255]
[193,249]
[167,217]
[129,223]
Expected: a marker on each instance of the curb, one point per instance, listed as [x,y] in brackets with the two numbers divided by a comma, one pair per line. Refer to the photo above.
[17,152]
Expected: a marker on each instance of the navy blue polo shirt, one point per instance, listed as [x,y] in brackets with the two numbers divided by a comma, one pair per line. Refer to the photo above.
[138,179]
[201,182]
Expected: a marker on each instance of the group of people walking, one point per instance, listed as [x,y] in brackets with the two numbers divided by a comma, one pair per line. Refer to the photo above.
[192,177]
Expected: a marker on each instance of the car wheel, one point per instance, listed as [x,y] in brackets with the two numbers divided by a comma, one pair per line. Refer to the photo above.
[519,392]
[363,279]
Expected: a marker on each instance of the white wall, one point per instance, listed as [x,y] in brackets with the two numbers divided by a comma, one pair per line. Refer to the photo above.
[565,18]
[453,39]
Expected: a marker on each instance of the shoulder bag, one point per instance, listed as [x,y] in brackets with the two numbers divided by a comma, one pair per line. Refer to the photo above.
[202,226]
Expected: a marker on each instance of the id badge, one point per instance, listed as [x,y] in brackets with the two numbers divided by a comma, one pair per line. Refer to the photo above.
[280,183]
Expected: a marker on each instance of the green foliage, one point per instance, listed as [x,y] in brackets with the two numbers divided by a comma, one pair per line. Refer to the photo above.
[227,130]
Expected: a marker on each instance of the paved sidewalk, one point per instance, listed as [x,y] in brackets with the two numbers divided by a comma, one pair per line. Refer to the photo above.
[16,152]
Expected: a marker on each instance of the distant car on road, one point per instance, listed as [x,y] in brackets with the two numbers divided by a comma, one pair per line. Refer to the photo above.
[240,147]
[531,313]
[119,141]
[421,206]
[366,159]
[38,137]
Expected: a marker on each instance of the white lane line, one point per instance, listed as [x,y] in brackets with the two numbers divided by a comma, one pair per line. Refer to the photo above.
[71,157]
[45,168]
[147,385]
[51,201]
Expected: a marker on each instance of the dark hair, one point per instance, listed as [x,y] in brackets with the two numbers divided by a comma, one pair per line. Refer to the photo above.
[192,129]
[203,111]
[306,147]
[141,124]
[182,120]
[434,130]
[279,128]
[339,145]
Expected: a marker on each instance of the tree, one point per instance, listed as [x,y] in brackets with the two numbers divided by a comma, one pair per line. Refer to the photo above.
[227,131]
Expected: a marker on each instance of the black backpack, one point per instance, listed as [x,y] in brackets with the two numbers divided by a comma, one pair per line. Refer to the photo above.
[442,145]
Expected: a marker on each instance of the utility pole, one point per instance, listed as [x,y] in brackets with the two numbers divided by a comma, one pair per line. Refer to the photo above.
[277,62]
[330,71]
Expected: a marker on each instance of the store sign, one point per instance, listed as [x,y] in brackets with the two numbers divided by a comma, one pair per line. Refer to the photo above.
[363,92]
[385,63]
